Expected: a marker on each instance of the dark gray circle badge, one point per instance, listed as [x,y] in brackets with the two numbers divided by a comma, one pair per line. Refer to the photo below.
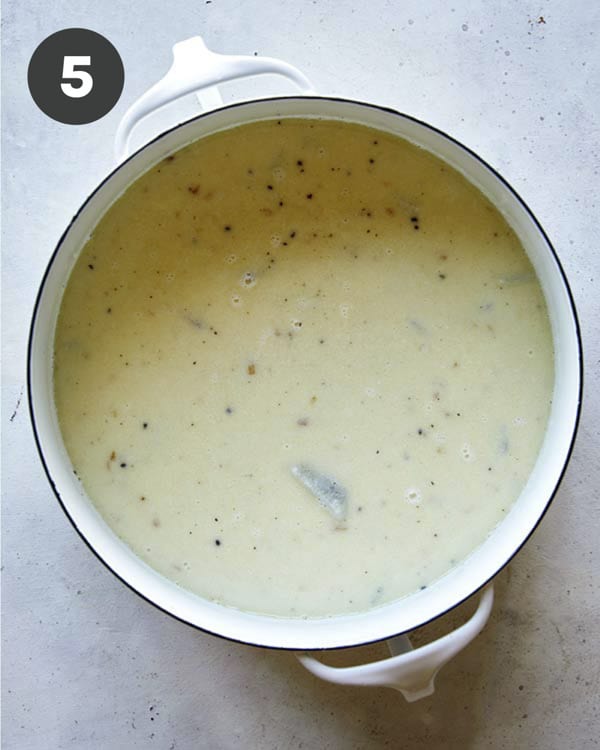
[76,76]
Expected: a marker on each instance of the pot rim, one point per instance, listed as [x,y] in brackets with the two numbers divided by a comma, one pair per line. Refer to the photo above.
[274,100]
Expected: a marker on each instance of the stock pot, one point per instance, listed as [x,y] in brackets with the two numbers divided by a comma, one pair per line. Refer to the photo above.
[196,69]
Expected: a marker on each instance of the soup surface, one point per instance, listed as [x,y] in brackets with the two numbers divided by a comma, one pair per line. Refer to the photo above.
[303,368]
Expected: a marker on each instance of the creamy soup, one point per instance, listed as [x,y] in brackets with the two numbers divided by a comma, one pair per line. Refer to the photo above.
[303,368]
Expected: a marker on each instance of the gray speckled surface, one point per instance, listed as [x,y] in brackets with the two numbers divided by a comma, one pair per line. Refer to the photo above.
[86,664]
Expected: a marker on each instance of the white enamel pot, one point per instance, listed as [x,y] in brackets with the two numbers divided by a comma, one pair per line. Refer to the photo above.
[196,69]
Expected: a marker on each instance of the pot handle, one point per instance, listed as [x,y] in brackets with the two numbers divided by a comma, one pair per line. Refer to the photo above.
[196,68]
[411,671]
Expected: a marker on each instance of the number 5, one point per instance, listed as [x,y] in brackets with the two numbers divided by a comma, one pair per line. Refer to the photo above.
[69,63]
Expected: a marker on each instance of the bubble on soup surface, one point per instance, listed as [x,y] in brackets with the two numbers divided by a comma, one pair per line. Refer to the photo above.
[231,259]
[170,276]
[236,300]
[519,421]
[276,240]
[248,280]
[389,250]
[467,453]
[321,151]
[345,310]
[371,392]
[413,495]
[278,173]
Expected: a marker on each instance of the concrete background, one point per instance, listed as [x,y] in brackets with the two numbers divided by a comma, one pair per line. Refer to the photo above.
[87,664]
